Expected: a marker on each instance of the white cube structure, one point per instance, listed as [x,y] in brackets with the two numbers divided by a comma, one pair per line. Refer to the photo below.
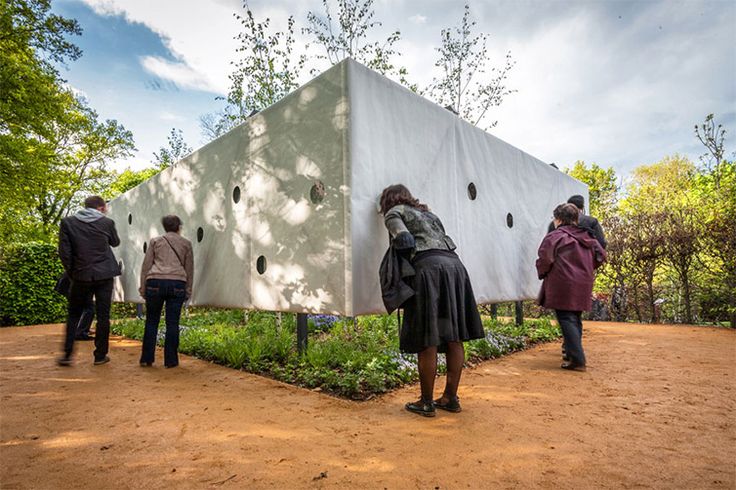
[282,210]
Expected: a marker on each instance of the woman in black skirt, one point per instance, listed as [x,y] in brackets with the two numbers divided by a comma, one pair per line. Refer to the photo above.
[442,314]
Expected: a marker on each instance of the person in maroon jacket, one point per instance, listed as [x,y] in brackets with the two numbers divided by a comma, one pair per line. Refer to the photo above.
[567,259]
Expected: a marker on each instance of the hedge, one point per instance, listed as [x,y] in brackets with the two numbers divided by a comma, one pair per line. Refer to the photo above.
[28,274]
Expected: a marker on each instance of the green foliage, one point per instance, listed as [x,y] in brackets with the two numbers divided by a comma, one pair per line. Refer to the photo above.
[127,180]
[354,361]
[176,150]
[28,274]
[53,148]
[602,188]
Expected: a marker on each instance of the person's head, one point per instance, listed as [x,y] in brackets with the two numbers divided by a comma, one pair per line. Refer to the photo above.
[394,195]
[96,202]
[566,214]
[578,201]
[171,223]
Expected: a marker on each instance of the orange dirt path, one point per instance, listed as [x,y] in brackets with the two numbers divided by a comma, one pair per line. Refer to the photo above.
[656,409]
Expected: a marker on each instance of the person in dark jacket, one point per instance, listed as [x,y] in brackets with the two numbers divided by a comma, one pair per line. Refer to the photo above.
[567,259]
[586,222]
[166,278]
[84,249]
[442,313]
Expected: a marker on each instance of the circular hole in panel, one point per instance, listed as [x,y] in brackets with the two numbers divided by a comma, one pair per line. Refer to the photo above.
[261,264]
[145,247]
[236,194]
[130,219]
[200,234]
[318,192]
[472,191]
[509,220]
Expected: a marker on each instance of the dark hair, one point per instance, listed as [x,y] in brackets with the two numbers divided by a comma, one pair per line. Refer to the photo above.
[94,202]
[394,195]
[567,214]
[578,201]
[171,222]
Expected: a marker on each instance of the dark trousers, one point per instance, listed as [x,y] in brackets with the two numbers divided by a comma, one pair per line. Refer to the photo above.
[80,295]
[571,324]
[173,294]
[85,321]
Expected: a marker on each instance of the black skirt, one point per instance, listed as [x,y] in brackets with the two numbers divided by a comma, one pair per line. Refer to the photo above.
[443,309]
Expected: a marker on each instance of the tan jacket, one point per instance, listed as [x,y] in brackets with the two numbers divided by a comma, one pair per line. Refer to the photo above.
[161,262]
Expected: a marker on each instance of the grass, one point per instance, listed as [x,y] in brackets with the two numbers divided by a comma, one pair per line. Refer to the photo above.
[353,360]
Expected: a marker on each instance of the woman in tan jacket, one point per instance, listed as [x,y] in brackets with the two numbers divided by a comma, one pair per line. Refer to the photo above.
[166,277]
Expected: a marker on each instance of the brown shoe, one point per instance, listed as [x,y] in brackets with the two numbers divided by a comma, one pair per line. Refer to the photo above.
[571,366]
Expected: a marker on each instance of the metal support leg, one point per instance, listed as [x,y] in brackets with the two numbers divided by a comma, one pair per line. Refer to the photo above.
[301,332]
[139,311]
[494,311]
[519,312]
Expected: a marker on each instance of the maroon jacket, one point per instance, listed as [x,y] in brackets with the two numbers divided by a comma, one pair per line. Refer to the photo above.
[567,260]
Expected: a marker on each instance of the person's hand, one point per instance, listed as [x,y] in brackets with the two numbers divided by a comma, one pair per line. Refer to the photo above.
[142,292]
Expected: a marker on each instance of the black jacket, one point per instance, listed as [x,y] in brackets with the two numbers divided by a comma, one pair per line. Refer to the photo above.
[84,248]
[394,270]
[589,224]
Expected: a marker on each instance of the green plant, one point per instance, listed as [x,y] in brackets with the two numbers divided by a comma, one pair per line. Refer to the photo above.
[28,274]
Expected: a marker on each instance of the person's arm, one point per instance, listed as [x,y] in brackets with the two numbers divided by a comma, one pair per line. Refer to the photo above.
[65,248]
[599,256]
[114,238]
[189,268]
[146,268]
[401,238]
[545,257]
[598,233]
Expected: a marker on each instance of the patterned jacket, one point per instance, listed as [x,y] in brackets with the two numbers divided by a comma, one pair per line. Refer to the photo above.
[424,226]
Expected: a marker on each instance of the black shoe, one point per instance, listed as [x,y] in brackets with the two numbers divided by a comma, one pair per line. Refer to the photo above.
[64,361]
[452,405]
[104,360]
[171,365]
[84,337]
[571,366]
[421,407]
[146,364]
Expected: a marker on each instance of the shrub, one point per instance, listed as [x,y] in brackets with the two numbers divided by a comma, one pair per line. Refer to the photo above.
[28,274]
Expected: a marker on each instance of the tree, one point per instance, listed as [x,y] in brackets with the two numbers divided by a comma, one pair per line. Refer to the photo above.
[176,150]
[267,70]
[712,137]
[127,180]
[468,86]
[602,188]
[52,146]
[348,37]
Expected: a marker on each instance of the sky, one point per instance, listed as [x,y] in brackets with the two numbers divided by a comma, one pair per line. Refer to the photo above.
[617,83]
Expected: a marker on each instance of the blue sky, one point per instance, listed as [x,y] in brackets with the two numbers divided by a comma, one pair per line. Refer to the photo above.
[620,83]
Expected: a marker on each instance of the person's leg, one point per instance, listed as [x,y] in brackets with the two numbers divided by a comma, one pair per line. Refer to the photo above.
[174,301]
[568,321]
[103,301]
[85,322]
[154,305]
[427,363]
[455,361]
[79,294]
[579,319]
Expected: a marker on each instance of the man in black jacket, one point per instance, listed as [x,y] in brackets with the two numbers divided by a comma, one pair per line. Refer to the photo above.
[84,248]
[588,223]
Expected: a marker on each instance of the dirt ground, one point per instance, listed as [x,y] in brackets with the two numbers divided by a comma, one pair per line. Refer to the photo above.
[656,409]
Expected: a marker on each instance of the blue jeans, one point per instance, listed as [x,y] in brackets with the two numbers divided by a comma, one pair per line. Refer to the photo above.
[173,294]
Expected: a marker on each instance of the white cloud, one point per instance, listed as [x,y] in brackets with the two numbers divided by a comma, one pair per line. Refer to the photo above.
[169,117]
[418,19]
[180,73]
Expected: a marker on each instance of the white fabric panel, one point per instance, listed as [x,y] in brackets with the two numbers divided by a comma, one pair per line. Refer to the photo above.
[356,132]
[400,137]
[275,157]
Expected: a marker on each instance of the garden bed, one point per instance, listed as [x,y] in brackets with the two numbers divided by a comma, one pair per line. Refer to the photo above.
[353,359]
